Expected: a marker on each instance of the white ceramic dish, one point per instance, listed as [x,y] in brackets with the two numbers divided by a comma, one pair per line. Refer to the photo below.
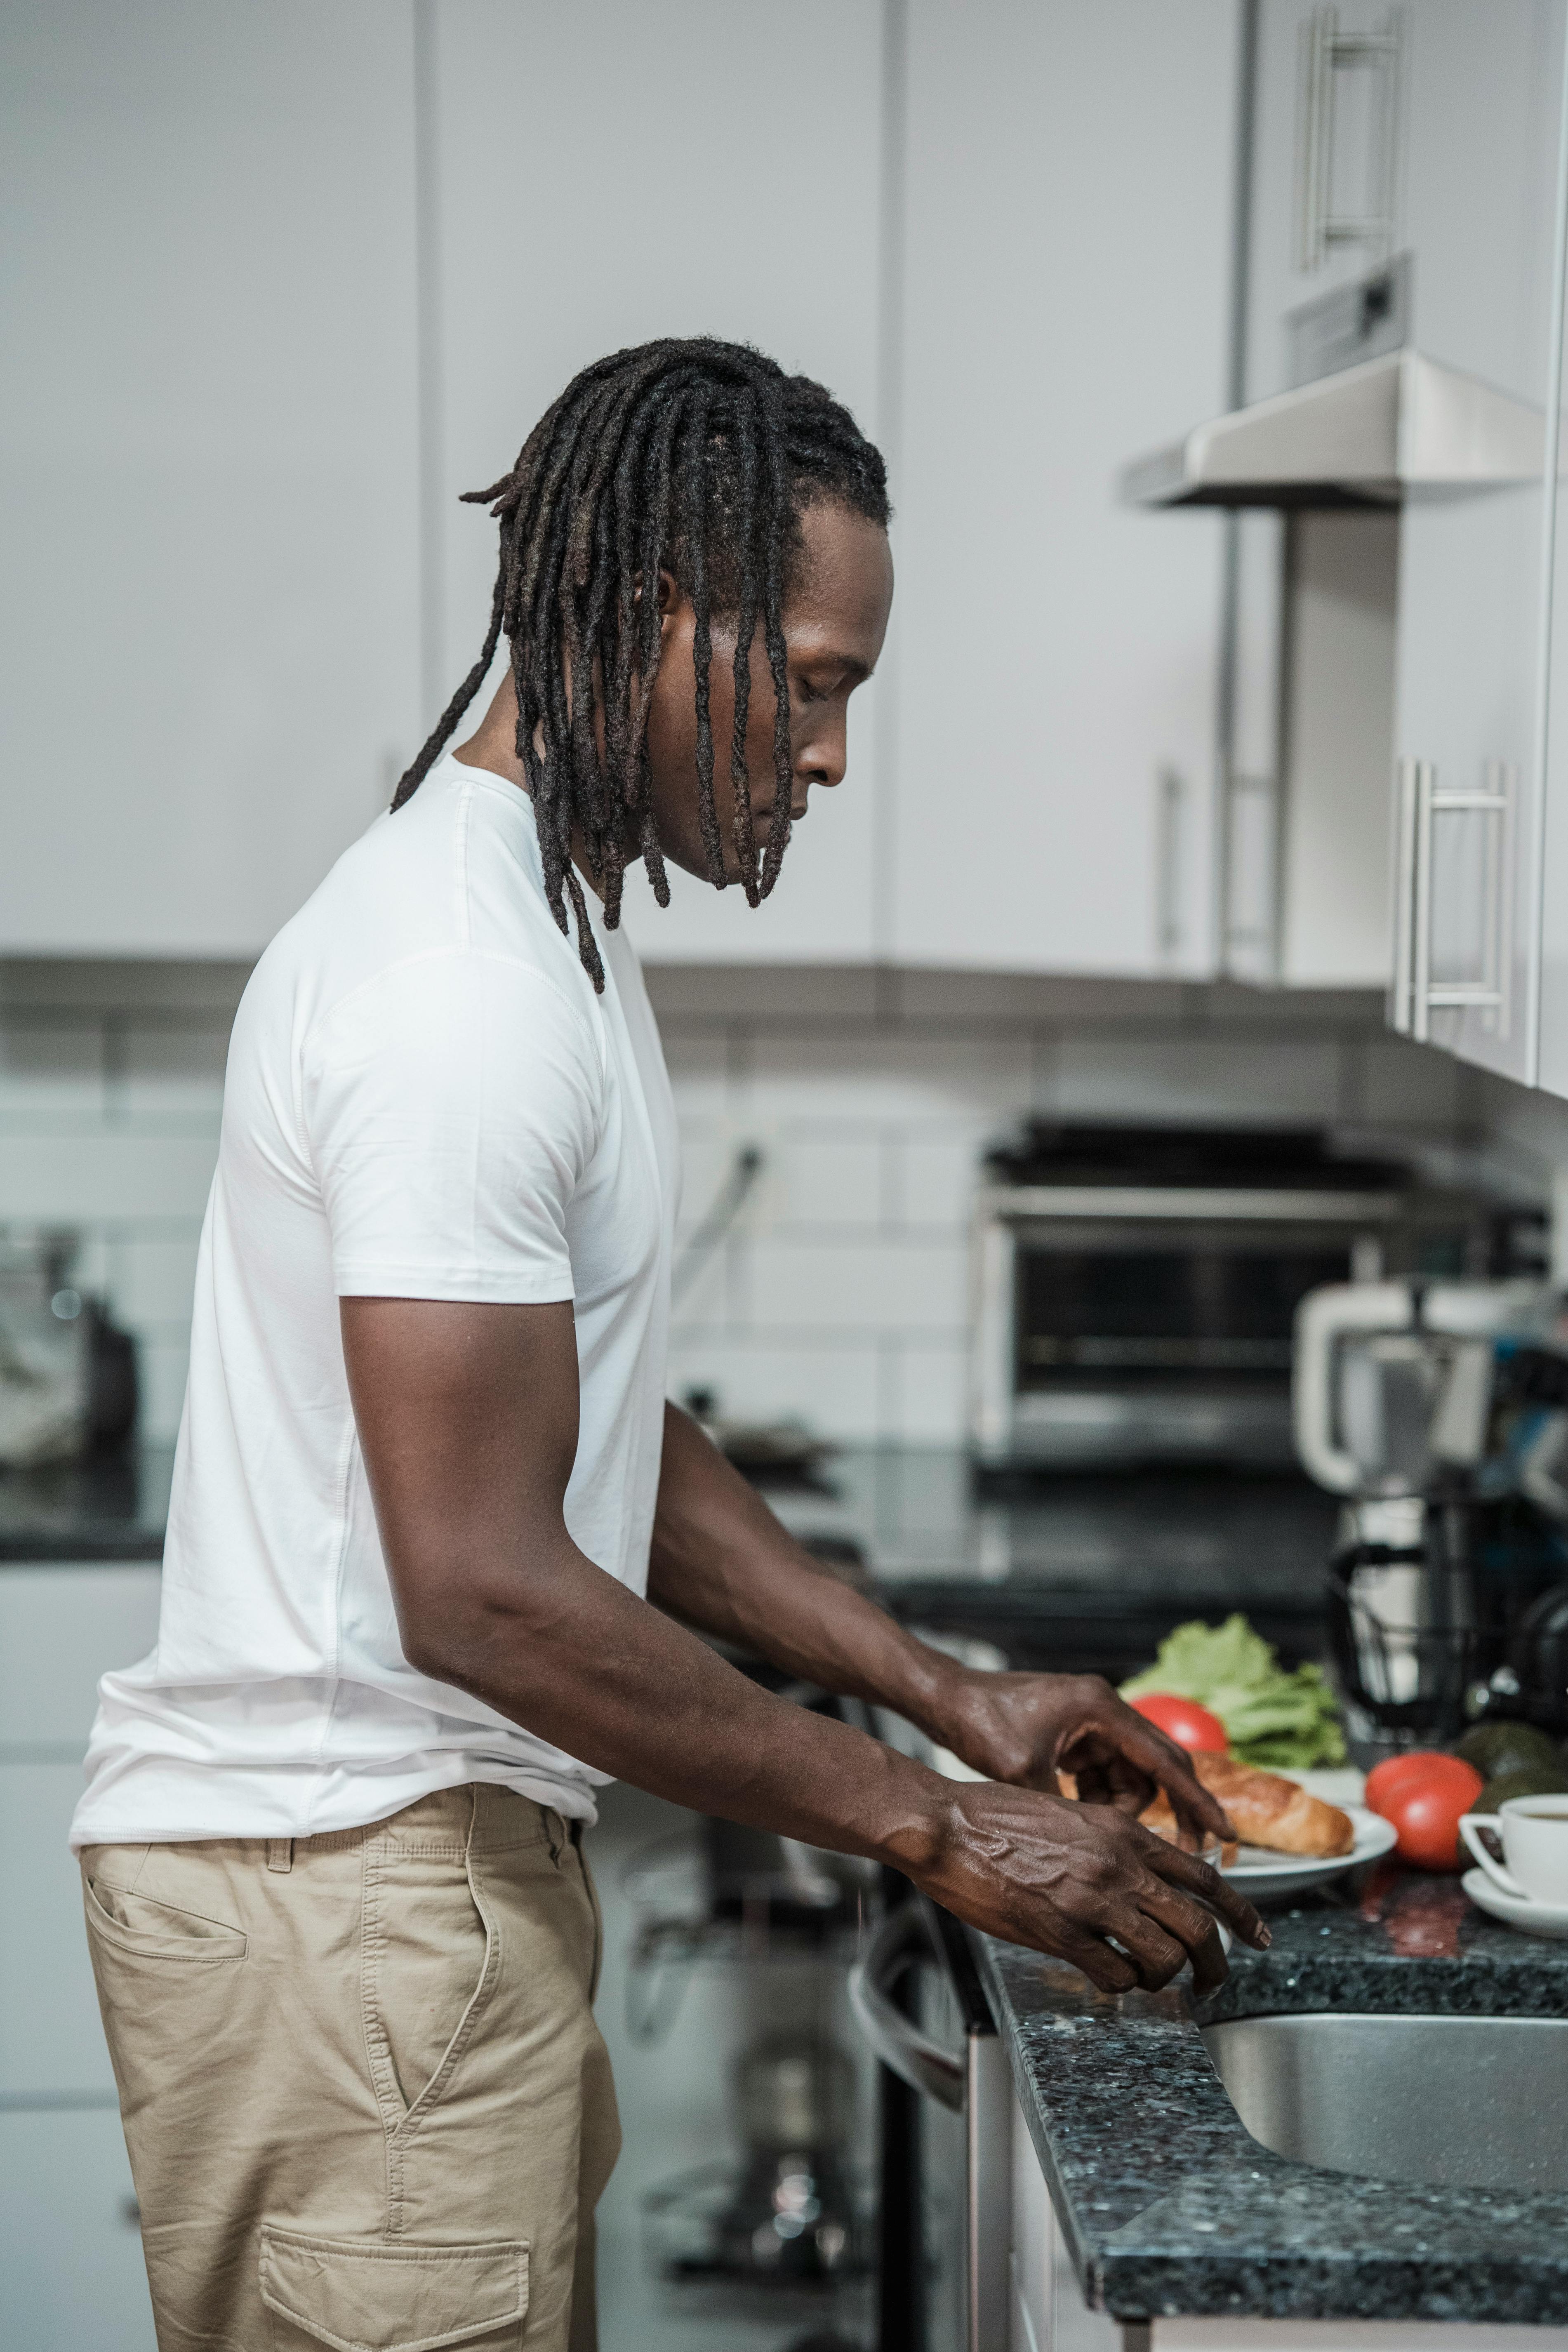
[1259,1873]
[1535,1919]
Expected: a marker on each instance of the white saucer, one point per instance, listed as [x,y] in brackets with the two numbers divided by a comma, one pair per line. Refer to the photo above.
[1517,1910]
[1259,1873]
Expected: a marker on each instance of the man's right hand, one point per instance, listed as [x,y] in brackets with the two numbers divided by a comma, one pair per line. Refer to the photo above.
[1065,1878]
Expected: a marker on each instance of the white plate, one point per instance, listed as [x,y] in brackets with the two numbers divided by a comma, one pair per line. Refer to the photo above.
[1256,1873]
[1517,1911]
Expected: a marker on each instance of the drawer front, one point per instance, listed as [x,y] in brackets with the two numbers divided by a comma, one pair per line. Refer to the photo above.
[70,2254]
[60,1629]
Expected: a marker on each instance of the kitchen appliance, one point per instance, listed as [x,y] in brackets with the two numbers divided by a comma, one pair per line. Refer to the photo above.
[918,2001]
[1365,435]
[790,2216]
[1134,1287]
[1395,1397]
[68,1376]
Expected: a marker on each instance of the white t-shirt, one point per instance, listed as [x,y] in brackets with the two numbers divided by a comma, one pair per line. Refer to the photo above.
[425,1099]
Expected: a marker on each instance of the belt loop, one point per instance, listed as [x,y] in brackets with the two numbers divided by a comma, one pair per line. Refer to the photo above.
[554,1832]
[281,1854]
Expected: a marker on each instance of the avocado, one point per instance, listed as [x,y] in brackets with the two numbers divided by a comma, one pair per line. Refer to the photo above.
[1545,1781]
[1497,1747]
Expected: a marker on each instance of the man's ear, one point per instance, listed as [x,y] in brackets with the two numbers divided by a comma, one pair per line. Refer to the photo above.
[668,591]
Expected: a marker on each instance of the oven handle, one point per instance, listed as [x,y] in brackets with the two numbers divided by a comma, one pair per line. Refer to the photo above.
[900,2045]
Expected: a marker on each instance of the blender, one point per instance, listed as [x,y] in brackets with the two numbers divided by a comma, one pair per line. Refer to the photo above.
[1393,1397]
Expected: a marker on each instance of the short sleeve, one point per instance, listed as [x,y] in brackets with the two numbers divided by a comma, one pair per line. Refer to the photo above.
[452,1105]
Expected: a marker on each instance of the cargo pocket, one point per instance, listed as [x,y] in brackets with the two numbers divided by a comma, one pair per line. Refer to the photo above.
[367,2296]
[155,1930]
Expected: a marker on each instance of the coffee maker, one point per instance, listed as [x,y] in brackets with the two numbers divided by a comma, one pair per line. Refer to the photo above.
[1398,1391]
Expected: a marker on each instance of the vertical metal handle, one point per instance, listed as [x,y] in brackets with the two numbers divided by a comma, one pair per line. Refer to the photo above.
[1504,781]
[1168,926]
[1494,802]
[1314,133]
[1325,52]
[1404,896]
[1421,947]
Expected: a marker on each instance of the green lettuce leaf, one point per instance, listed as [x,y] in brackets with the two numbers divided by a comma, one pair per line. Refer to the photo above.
[1281,1722]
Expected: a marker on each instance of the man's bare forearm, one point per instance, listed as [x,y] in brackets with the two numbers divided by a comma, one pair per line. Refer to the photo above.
[468,1416]
[560,1647]
[721,1560]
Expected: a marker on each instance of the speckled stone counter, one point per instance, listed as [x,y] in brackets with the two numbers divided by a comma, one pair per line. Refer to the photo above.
[110,1508]
[1168,2206]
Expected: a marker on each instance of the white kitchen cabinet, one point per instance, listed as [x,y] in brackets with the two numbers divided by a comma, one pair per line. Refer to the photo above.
[70,2252]
[208,492]
[70,2255]
[1482,200]
[1327,148]
[1552,1069]
[608,173]
[60,1629]
[1066,271]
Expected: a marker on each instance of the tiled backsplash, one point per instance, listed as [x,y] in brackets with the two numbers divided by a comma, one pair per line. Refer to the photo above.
[839,1294]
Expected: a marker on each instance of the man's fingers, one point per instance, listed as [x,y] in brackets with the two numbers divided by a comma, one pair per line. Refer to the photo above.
[1109,1970]
[1198,1929]
[1195,1877]
[1156,1955]
[1171,1766]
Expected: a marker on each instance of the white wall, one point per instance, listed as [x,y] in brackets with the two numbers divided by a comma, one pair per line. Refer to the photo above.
[840,1296]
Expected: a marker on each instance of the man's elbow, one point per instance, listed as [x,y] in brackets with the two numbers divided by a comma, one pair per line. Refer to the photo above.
[440,1644]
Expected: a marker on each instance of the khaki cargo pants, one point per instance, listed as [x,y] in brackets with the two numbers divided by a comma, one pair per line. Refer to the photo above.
[365,2099]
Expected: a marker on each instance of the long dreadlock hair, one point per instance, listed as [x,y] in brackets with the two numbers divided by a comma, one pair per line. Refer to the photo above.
[698,458]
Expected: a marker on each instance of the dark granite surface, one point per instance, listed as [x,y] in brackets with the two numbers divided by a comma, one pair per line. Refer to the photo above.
[1062,1552]
[1169,2206]
[113,1508]
[1076,1571]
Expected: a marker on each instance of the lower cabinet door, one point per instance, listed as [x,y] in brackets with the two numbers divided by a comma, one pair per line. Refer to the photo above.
[70,2252]
[51,2036]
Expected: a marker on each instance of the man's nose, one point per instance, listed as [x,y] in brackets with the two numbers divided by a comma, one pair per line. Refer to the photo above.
[821,762]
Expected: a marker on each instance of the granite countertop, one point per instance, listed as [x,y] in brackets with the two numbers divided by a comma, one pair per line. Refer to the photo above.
[1079,1570]
[942,1549]
[111,1507]
[1168,2206]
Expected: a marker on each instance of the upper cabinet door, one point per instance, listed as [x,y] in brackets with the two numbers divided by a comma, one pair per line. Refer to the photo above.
[210,469]
[1328,151]
[608,172]
[1552,1063]
[1481,205]
[1067,249]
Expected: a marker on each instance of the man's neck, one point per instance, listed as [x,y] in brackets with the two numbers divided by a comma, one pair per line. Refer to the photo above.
[493,745]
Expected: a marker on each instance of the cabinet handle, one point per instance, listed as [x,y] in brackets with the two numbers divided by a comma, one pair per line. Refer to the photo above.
[1325,53]
[1400,1014]
[1252,941]
[1421,947]
[911,2054]
[1168,925]
[1494,800]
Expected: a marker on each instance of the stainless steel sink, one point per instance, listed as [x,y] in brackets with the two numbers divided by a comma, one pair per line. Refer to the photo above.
[1475,2102]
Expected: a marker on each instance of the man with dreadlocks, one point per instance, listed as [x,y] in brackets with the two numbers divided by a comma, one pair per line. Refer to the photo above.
[428,1485]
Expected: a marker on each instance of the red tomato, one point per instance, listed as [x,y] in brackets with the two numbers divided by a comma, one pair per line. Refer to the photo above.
[1394,1771]
[1184,1721]
[1424,1806]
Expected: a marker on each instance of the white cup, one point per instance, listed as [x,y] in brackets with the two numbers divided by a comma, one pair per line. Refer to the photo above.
[1533,1833]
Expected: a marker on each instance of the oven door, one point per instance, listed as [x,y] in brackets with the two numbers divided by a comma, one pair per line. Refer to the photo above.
[1118,1342]
[946,2173]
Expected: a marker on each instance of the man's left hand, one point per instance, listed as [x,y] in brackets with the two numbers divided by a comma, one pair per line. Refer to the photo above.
[1027,1728]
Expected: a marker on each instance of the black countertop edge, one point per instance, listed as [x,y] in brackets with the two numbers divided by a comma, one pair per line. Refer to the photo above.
[1168,2207]
[88,1546]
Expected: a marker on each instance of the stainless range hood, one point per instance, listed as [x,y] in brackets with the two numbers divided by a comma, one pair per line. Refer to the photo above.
[1363,437]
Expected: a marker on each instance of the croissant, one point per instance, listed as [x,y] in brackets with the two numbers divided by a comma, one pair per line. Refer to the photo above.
[1267,1810]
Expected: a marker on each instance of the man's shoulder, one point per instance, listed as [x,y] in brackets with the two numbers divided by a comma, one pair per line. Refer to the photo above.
[450,879]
